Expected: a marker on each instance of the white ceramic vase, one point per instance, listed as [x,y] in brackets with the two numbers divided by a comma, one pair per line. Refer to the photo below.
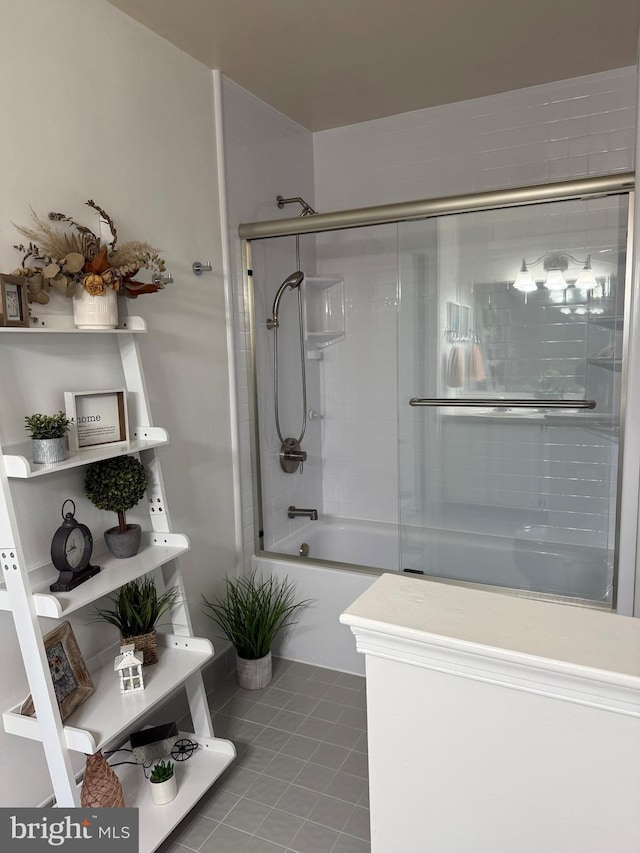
[95,312]
[163,792]
[254,674]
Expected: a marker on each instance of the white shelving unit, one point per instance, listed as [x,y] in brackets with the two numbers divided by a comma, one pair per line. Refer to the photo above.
[106,717]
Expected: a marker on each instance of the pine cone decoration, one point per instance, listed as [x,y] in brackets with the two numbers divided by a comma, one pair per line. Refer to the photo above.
[101,787]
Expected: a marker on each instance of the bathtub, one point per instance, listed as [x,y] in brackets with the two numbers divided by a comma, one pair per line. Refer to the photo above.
[346,555]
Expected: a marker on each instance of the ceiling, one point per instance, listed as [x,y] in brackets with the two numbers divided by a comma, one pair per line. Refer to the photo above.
[328,63]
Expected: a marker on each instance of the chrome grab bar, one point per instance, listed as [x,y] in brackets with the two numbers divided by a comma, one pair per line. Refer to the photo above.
[495,403]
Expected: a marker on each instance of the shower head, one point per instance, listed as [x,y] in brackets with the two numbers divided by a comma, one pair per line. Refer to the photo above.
[292,281]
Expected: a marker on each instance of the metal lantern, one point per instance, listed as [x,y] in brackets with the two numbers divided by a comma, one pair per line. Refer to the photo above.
[128,665]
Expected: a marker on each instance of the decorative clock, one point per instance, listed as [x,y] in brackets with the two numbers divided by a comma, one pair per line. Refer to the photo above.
[71,549]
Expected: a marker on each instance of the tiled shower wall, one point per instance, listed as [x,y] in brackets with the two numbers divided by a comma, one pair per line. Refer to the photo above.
[557,131]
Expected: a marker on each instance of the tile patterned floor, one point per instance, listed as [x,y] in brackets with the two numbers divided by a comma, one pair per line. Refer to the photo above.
[300,782]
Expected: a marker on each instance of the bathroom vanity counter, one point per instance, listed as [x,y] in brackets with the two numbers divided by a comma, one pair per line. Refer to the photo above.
[498,723]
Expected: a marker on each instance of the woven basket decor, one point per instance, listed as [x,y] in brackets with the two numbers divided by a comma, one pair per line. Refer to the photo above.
[146,643]
[101,788]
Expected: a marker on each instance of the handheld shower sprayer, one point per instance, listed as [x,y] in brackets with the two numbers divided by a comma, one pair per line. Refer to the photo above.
[292,281]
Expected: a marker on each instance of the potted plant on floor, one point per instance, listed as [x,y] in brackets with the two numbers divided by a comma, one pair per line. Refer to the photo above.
[48,436]
[137,609]
[251,614]
[163,783]
[117,485]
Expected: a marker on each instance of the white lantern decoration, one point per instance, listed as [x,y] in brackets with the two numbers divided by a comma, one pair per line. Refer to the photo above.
[128,665]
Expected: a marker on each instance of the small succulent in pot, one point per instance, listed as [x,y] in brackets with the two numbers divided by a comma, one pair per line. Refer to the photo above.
[117,485]
[163,783]
[48,433]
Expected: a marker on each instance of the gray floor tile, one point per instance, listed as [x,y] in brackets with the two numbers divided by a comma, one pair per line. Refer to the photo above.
[284,767]
[330,756]
[287,721]
[314,838]
[315,777]
[298,801]
[276,698]
[267,790]
[226,839]
[357,763]
[331,812]
[194,831]
[343,695]
[346,679]
[255,758]
[247,815]
[273,739]
[356,717]
[358,824]
[218,806]
[289,681]
[314,688]
[305,670]
[259,845]
[325,676]
[340,735]
[330,711]
[362,744]
[349,844]
[280,827]
[300,747]
[302,704]
[238,781]
[346,787]
[313,728]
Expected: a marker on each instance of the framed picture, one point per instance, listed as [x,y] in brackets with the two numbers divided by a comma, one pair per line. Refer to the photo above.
[14,306]
[72,683]
[99,418]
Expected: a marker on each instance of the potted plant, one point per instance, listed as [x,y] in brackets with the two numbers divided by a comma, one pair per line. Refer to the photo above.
[136,610]
[117,484]
[48,436]
[251,614]
[163,783]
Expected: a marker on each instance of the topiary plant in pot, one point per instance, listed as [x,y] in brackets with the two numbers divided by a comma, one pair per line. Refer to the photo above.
[251,614]
[49,436]
[117,485]
[136,611]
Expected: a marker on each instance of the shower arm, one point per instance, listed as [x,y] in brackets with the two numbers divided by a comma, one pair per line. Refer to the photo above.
[307,210]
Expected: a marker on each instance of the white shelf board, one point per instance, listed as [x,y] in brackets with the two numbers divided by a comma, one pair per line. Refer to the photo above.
[19,465]
[322,282]
[194,777]
[107,714]
[156,550]
[63,323]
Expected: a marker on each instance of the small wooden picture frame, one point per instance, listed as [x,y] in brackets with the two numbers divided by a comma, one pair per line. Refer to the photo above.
[72,683]
[14,305]
[99,418]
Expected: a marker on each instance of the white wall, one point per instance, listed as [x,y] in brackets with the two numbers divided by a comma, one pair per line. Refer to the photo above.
[555,131]
[96,106]
[267,154]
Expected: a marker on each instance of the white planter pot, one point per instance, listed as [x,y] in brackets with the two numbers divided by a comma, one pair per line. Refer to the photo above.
[95,312]
[164,792]
[254,674]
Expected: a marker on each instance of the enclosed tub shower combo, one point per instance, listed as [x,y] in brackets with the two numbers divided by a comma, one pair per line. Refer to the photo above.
[439,389]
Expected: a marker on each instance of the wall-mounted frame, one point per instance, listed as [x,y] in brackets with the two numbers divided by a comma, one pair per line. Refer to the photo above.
[14,305]
[72,682]
[99,418]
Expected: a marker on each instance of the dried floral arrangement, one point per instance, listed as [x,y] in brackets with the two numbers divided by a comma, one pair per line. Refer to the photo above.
[68,254]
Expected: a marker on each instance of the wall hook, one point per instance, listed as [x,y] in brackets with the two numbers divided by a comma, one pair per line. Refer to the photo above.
[198,268]
[161,280]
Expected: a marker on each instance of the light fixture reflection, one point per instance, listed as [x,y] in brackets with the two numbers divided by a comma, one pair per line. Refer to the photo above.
[524,280]
[556,265]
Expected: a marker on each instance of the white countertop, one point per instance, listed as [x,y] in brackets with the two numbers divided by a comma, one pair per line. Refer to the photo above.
[569,638]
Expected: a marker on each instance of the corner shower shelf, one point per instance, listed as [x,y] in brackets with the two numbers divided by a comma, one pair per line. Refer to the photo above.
[324,310]
[156,550]
[107,715]
[18,464]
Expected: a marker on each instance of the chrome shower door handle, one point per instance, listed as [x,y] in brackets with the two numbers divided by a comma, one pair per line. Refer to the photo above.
[493,402]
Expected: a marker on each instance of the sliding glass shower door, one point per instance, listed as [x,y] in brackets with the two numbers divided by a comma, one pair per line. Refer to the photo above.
[510,353]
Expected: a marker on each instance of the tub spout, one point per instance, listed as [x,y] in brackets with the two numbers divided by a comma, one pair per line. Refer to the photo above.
[295,512]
